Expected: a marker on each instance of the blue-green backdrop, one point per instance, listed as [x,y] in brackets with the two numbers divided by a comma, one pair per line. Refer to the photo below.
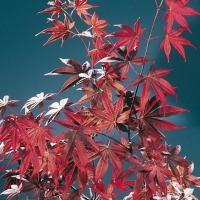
[24,61]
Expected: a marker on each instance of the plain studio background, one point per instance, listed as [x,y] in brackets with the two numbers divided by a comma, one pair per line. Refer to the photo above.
[24,60]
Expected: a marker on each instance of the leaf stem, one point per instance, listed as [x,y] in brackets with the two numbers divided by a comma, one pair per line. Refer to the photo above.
[149,39]
[153,38]
[113,140]
[76,29]
[145,55]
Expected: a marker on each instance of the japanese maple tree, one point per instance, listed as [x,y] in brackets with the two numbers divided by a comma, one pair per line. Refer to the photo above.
[113,141]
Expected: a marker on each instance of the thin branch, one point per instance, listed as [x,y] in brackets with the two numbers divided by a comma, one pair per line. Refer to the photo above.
[113,140]
[143,65]
[76,29]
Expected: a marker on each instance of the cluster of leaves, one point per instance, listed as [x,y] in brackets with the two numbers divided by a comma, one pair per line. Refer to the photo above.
[102,133]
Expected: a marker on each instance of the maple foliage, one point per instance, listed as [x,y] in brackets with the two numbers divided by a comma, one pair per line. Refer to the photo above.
[96,24]
[176,11]
[56,8]
[81,7]
[60,31]
[129,36]
[174,38]
[113,140]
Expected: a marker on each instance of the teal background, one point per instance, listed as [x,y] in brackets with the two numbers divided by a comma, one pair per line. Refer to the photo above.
[24,61]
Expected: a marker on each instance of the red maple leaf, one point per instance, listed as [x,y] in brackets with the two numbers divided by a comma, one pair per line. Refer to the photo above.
[101,50]
[112,116]
[14,128]
[173,37]
[29,158]
[56,8]
[176,12]
[81,7]
[151,119]
[157,171]
[128,36]
[73,67]
[115,153]
[78,137]
[39,134]
[159,85]
[92,94]
[120,184]
[126,61]
[153,149]
[172,159]
[107,80]
[186,176]
[60,31]
[51,162]
[96,24]
[103,191]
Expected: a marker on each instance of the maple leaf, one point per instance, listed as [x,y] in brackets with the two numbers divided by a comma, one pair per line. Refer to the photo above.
[101,50]
[13,191]
[96,24]
[6,102]
[172,158]
[126,60]
[158,84]
[135,167]
[51,162]
[73,67]
[79,137]
[103,191]
[60,31]
[107,80]
[115,153]
[150,120]
[176,12]
[128,36]
[15,127]
[38,100]
[120,184]
[186,176]
[157,171]
[81,7]
[39,134]
[92,94]
[56,108]
[153,149]
[56,8]
[113,116]
[173,37]
[29,157]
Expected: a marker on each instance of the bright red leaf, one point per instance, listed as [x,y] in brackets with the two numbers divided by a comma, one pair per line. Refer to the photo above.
[39,134]
[113,116]
[60,31]
[173,37]
[159,85]
[56,8]
[81,7]
[128,36]
[101,50]
[177,11]
[96,24]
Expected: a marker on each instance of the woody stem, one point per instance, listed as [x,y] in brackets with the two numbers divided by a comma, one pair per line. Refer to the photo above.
[143,65]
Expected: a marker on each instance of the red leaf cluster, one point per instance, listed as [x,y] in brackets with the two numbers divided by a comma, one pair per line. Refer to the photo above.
[110,128]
